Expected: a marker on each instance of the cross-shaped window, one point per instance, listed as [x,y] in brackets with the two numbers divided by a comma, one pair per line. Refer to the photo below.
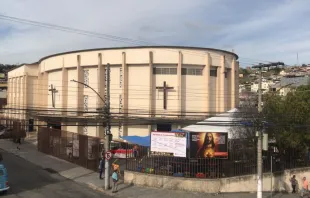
[85,103]
[86,77]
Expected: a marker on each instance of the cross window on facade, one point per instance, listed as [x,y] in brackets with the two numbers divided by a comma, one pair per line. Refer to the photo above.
[86,77]
[85,129]
[85,103]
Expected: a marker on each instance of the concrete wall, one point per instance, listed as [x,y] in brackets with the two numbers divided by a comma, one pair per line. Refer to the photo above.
[23,89]
[277,182]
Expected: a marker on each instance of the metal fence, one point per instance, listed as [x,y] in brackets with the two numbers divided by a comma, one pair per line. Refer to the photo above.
[241,161]
[15,128]
[86,151]
[79,149]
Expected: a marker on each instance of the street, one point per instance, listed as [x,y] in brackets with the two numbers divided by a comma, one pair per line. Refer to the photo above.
[29,180]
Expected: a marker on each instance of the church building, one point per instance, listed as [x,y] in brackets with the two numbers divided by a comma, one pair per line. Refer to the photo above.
[151,88]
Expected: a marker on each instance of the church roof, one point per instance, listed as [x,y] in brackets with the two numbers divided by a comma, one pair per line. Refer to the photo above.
[141,47]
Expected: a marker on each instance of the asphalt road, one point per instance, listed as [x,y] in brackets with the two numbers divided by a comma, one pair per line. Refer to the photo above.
[29,180]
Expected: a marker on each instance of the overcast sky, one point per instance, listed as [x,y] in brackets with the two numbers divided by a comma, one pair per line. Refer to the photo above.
[258,30]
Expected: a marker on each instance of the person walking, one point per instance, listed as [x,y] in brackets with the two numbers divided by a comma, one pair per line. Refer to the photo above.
[19,142]
[293,183]
[101,167]
[304,189]
[115,180]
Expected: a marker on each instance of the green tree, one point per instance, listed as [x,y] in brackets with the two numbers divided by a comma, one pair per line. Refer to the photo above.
[289,119]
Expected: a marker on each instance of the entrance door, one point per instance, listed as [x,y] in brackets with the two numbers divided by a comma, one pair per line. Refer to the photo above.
[54,125]
[164,127]
[30,126]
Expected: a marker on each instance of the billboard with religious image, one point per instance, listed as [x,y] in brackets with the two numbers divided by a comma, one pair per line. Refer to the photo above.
[208,145]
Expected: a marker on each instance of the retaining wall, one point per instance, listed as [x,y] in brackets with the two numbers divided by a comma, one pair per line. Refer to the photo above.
[278,181]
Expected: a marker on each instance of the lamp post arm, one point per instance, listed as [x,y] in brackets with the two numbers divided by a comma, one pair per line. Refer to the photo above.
[90,88]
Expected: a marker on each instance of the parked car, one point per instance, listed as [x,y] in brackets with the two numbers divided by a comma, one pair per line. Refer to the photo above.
[4,184]
[5,133]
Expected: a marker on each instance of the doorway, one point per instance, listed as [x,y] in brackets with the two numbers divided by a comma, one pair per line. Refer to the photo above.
[54,126]
[164,127]
[31,126]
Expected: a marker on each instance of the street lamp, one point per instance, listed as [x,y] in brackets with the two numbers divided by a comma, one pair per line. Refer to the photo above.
[89,87]
[106,111]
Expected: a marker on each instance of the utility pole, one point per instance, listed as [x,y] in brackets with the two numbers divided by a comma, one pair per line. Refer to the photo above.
[259,141]
[108,136]
[297,59]
[260,128]
[107,116]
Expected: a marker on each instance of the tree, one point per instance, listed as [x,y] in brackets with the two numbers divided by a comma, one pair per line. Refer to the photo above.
[288,119]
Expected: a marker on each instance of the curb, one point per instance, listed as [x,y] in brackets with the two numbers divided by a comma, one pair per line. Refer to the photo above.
[94,187]
[99,189]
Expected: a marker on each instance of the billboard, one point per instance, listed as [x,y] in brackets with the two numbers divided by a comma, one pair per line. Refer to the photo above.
[168,143]
[208,145]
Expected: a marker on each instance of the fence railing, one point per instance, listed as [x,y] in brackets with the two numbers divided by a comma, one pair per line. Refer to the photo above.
[86,151]
[79,149]
[15,128]
[240,162]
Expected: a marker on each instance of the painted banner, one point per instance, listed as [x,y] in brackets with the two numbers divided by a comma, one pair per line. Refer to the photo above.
[168,143]
[208,145]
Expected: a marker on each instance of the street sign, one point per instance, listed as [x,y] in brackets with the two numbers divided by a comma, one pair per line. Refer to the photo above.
[108,155]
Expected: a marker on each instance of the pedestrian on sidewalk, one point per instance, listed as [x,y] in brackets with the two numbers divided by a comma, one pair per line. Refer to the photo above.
[293,183]
[115,180]
[304,189]
[19,142]
[135,151]
[101,167]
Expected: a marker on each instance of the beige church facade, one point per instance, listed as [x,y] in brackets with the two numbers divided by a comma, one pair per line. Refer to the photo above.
[145,82]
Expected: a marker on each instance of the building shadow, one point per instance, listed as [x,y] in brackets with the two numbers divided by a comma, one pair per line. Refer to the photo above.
[25,176]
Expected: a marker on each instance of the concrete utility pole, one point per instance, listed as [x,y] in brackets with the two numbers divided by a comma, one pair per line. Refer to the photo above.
[107,115]
[259,141]
[108,136]
[260,129]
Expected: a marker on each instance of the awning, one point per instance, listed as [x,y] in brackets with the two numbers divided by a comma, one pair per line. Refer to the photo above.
[143,141]
[219,123]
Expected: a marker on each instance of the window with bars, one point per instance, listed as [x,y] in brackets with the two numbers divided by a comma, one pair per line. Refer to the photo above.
[213,71]
[164,71]
[85,103]
[86,77]
[191,71]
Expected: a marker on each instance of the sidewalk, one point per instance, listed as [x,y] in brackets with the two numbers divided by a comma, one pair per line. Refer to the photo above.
[87,177]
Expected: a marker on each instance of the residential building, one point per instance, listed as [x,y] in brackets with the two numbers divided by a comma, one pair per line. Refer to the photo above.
[286,84]
[265,86]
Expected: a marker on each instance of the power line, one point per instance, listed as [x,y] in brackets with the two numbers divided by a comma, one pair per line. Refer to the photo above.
[94,34]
